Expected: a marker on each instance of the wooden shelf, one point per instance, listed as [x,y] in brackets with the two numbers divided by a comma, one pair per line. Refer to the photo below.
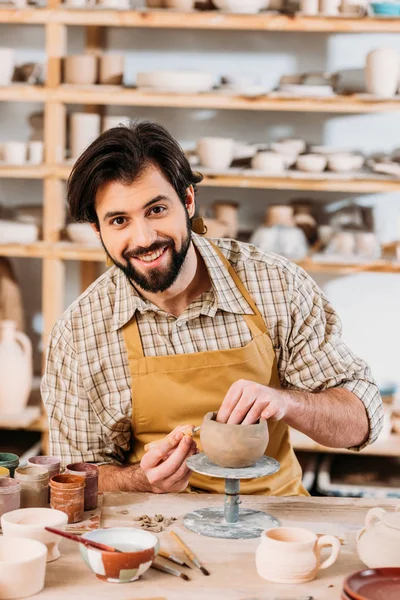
[24,172]
[36,250]
[118,95]
[21,92]
[389,446]
[25,16]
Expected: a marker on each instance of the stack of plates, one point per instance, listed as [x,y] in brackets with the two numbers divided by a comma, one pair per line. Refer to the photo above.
[180,82]
[373,584]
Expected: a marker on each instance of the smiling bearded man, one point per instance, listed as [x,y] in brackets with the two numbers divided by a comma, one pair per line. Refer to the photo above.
[180,326]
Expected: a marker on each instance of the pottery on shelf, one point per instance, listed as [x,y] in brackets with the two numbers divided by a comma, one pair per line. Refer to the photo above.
[216,153]
[80,69]
[279,214]
[241,6]
[367,245]
[155,3]
[15,369]
[292,555]
[183,5]
[311,163]
[309,7]
[22,567]
[216,228]
[82,233]
[290,242]
[30,523]
[7,58]
[111,70]
[11,305]
[227,212]
[342,243]
[13,232]
[378,544]
[139,549]
[268,162]
[115,4]
[84,129]
[233,446]
[382,72]
[15,153]
[329,8]
[342,162]
[176,81]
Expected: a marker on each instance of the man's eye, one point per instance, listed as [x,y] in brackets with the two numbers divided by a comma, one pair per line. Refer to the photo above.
[118,221]
[157,210]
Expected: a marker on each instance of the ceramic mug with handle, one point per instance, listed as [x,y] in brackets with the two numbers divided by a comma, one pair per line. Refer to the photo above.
[293,554]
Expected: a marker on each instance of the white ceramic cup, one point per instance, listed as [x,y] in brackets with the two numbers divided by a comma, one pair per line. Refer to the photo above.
[15,153]
[329,8]
[22,567]
[268,162]
[35,152]
[382,72]
[216,153]
[309,7]
[84,129]
[292,554]
[80,69]
[7,59]
[111,71]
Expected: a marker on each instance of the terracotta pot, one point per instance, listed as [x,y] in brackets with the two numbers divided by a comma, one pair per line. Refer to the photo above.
[227,212]
[67,493]
[111,69]
[233,446]
[382,72]
[15,369]
[80,69]
[84,129]
[378,544]
[292,555]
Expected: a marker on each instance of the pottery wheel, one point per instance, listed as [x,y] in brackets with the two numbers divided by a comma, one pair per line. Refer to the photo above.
[230,521]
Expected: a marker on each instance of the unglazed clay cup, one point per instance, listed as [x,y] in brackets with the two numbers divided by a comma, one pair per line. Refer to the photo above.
[233,446]
[30,523]
[22,567]
[139,549]
[111,69]
[292,554]
[80,69]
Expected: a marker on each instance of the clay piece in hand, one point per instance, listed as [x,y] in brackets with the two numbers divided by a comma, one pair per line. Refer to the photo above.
[233,446]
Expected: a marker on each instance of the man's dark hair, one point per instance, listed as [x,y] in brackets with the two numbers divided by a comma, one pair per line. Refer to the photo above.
[121,154]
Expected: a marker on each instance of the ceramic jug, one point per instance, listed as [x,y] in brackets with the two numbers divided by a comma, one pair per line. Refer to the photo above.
[378,544]
[382,72]
[15,369]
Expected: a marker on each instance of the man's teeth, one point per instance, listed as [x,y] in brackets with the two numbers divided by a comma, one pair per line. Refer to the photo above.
[152,256]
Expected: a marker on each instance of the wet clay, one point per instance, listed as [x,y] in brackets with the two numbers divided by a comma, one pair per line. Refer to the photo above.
[233,446]
[155,524]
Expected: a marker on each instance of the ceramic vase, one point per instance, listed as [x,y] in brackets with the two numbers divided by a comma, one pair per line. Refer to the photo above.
[382,72]
[15,369]
[7,57]
[84,129]
[80,69]
[111,69]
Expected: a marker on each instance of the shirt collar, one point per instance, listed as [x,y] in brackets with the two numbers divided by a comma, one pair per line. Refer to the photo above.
[227,296]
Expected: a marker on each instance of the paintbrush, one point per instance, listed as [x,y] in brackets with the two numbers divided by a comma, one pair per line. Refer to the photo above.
[189,553]
[84,541]
[170,570]
[173,558]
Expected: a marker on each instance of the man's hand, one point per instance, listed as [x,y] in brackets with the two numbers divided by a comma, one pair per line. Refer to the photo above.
[247,401]
[164,465]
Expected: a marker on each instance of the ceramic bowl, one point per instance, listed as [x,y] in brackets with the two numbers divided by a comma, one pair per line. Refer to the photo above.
[233,446]
[12,232]
[293,145]
[241,6]
[82,233]
[268,162]
[216,153]
[344,162]
[31,522]
[176,81]
[22,567]
[311,163]
[121,567]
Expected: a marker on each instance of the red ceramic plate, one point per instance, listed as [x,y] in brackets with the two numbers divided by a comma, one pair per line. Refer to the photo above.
[374,584]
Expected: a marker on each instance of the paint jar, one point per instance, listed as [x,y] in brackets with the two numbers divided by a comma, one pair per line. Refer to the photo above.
[10,461]
[91,474]
[10,495]
[34,486]
[67,493]
[51,463]
[4,472]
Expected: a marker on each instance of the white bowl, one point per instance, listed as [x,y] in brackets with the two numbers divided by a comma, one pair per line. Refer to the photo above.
[344,162]
[241,6]
[30,523]
[139,549]
[82,233]
[268,162]
[13,232]
[216,153]
[176,81]
[22,567]
[292,145]
[311,163]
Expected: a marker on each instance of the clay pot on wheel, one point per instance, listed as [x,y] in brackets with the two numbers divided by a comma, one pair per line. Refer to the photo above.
[233,446]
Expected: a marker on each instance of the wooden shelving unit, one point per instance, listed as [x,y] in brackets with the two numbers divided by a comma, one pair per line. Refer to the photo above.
[55,96]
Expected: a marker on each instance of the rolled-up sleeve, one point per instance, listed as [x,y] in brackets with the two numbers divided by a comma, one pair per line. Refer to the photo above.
[316,358]
[75,433]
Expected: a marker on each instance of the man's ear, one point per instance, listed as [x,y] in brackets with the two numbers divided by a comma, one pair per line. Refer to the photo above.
[95,228]
[190,201]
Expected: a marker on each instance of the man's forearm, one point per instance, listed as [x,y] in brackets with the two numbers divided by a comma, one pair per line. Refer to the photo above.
[335,418]
[129,478]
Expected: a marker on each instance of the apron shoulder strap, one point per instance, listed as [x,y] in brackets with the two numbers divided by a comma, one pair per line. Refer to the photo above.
[255,322]
[132,340]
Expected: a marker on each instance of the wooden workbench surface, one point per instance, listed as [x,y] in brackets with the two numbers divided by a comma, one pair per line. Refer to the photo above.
[231,562]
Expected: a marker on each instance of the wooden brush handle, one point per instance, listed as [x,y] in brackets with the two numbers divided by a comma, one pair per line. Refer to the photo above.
[182,544]
[84,541]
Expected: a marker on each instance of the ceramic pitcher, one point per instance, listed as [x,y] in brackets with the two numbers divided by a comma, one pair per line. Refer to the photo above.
[378,544]
[382,72]
[15,369]
[292,554]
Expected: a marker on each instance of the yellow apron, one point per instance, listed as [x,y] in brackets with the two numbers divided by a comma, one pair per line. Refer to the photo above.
[168,391]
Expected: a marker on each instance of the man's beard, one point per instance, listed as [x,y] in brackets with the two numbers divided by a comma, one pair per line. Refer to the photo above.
[157,279]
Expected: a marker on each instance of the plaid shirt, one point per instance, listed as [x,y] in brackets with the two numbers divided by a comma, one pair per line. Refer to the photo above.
[87,386]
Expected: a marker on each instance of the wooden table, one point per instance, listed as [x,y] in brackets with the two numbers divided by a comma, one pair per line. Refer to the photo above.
[231,562]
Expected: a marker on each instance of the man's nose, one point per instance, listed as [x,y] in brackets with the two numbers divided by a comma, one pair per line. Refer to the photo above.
[142,235]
